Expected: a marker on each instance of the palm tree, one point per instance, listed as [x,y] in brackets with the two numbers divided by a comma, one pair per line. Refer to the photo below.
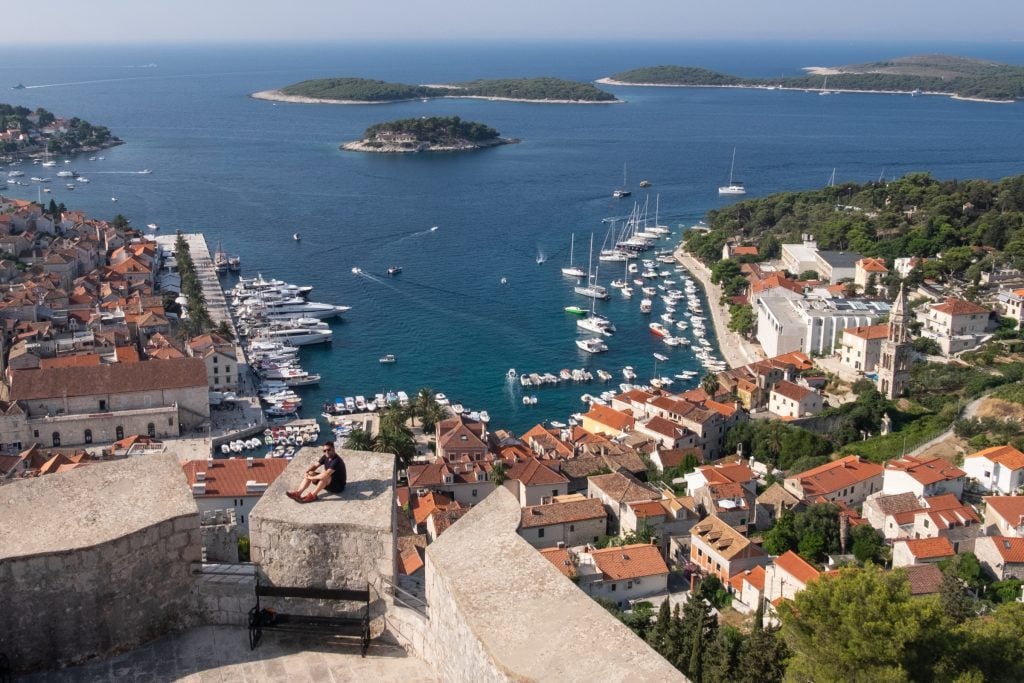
[429,410]
[499,472]
[393,418]
[361,440]
[397,441]
[709,383]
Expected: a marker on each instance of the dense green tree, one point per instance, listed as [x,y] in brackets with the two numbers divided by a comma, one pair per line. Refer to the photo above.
[360,440]
[658,634]
[725,270]
[762,658]
[862,625]
[953,597]
[868,544]
[742,319]
[709,383]
[721,656]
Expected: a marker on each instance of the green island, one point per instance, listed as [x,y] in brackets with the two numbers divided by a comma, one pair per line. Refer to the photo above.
[27,133]
[433,134]
[960,77]
[364,90]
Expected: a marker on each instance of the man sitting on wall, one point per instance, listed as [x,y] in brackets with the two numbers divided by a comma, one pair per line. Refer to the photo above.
[332,478]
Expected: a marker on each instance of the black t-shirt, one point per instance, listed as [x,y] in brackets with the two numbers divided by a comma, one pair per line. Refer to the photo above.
[337,465]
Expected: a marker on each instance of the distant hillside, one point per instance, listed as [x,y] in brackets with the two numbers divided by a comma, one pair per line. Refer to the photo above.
[544,89]
[31,133]
[943,74]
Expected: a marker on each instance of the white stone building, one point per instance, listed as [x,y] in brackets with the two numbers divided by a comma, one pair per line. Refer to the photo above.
[956,325]
[792,400]
[812,326]
[999,470]
[861,347]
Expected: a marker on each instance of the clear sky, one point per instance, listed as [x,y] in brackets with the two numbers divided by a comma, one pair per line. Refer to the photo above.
[212,21]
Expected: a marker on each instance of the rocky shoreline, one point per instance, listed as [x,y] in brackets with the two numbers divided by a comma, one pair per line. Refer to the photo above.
[390,148]
[278,96]
[610,81]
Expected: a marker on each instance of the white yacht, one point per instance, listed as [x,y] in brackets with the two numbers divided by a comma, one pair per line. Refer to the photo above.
[594,345]
[645,305]
[298,336]
[297,307]
[594,324]
[734,187]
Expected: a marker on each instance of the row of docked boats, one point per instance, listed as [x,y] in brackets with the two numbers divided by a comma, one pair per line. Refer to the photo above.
[360,404]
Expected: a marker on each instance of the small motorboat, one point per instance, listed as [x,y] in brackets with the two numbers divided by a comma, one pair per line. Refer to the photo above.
[388,359]
[152,226]
[660,357]
[297,237]
[394,270]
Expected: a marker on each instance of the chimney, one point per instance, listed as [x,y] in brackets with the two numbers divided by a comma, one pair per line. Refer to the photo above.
[209,463]
[249,461]
[200,476]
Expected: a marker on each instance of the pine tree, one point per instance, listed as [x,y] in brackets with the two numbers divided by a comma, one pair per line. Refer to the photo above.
[659,632]
[673,642]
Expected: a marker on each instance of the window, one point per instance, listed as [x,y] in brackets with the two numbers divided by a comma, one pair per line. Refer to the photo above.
[474,493]
[215,361]
[103,406]
[700,553]
[151,429]
[35,433]
[926,524]
[540,532]
[56,438]
[572,527]
[88,436]
[119,432]
[614,586]
[629,584]
[170,422]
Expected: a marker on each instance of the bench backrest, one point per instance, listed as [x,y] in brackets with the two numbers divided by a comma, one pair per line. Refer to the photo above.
[314,593]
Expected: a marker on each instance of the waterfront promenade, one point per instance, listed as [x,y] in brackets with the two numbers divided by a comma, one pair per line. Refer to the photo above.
[736,350]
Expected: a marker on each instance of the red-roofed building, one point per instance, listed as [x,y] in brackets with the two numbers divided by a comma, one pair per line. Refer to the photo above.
[955,324]
[999,469]
[424,501]
[1001,556]
[848,480]
[467,482]
[1004,515]
[924,476]
[669,518]
[562,559]
[747,588]
[534,483]
[906,552]
[608,421]
[231,483]
[623,573]
[861,346]
[787,575]
[865,268]
[719,549]
[792,400]
[572,521]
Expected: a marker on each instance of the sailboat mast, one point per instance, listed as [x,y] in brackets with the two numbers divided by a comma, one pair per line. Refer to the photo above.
[590,262]
[732,166]
[572,241]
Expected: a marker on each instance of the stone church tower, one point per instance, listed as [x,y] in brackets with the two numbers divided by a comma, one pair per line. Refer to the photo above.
[897,352]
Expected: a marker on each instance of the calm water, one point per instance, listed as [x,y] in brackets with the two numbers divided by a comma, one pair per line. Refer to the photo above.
[251,173]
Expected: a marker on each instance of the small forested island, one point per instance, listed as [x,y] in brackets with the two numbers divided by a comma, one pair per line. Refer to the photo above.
[960,77]
[27,133]
[434,134]
[368,91]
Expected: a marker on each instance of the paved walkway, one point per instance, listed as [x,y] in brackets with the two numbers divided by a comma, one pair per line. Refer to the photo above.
[222,654]
[736,350]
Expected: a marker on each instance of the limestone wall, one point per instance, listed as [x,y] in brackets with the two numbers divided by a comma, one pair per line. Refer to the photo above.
[501,612]
[95,560]
[341,541]
[220,535]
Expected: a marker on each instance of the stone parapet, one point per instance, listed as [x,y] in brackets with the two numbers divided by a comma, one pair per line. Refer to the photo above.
[501,612]
[96,560]
[339,541]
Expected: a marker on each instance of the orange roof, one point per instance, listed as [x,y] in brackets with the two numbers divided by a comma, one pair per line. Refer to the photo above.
[929,548]
[873,265]
[629,561]
[755,577]
[798,359]
[959,307]
[837,475]
[616,419]
[227,478]
[926,469]
[868,332]
[410,561]
[69,361]
[797,567]
[734,473]
[776,280]
[647,508]
[1010,508]
[562,513]
[744,251]
[422,505]
[794,392]
[1007,456]
[1010,549]
[533,473]
[560,558]
[722,538]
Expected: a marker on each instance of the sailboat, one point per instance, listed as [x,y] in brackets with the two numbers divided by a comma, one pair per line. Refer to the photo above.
[220,260]
[592,289]
[824,88]
[622,191]
[47,162]
[572,270]
[735,186]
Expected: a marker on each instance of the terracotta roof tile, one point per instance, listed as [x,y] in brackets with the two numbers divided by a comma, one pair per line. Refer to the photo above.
[925,579]
[1010,508]
[959,307]
[1007,456]
[623,488]
[926,469]
[562,513]
[410,560]
[421,505]
[873,265]
[616,419]
[722,538]
[755,577]
[797,567]
[561,559]
[794,392]
[1010,549]
[228,477]
[532,473]
[118,378]
[836,475]
[629,562]
[929,548]
[868,331]
[898,503]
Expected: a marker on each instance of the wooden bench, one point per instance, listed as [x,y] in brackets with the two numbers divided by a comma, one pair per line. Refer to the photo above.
[356,626]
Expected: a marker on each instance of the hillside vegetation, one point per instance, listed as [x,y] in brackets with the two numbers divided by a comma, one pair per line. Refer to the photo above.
[436,130]
[929,73]
[74,135]
[367,90]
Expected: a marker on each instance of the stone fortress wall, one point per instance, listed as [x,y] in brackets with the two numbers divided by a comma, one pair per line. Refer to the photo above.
[106,557]
[95,561]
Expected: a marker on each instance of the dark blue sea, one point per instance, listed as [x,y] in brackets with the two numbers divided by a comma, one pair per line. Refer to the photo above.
[251,173]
